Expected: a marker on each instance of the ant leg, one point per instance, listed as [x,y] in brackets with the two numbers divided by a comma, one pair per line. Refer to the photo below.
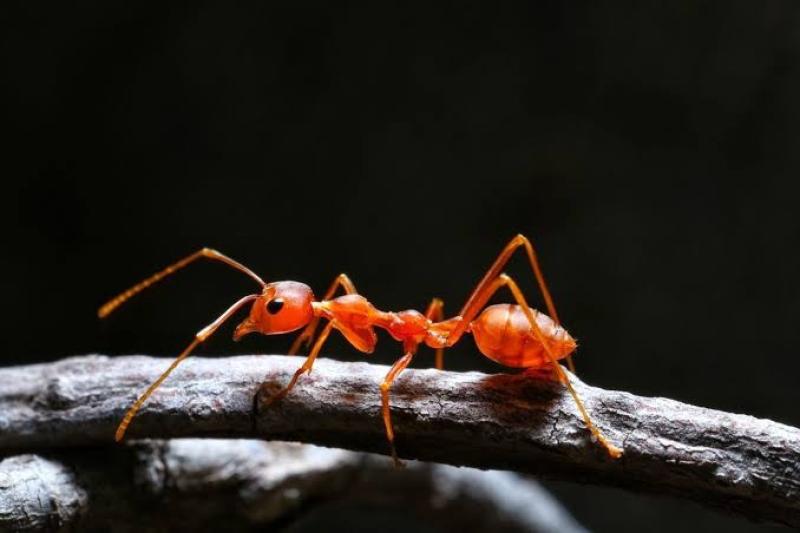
[308,333]
[201,336]
[504,280]
[475,302]
[435,313]
[306,367]
[386,386]
[109,307]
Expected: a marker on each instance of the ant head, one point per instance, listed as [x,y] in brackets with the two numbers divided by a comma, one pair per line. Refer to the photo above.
[283,306]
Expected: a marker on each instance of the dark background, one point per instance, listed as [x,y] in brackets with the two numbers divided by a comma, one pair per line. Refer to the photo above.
[650,151]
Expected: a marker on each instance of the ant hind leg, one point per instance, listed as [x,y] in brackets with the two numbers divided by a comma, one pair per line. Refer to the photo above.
[478,298]
[485,290]
[505,280]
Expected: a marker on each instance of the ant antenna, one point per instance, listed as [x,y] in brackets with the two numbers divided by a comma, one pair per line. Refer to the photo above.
[208,253]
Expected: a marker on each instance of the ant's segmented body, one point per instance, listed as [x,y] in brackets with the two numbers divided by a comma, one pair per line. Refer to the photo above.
[514,335]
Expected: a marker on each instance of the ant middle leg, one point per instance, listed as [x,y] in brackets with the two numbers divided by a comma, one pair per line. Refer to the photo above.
[435,312]
[386,386]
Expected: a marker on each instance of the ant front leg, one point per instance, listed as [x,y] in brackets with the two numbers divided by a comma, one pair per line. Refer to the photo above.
[307,335]
[200,337]
[435,312]
[386,386]
[309,362]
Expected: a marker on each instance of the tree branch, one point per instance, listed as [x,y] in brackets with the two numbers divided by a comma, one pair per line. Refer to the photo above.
[236,485]
[735,462]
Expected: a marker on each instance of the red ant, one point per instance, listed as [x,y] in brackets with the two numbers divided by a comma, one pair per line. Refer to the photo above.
[514,335]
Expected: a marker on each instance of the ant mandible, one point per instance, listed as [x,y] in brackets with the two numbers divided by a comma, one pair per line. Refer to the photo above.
[514,335]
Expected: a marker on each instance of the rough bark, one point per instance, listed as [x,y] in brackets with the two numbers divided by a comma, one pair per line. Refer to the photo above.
[735,462]
[239,485]
[38,494]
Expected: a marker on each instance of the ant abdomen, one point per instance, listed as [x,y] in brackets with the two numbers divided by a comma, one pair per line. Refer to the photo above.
[504,334]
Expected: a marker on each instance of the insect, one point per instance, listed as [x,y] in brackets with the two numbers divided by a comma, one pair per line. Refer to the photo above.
[514,335]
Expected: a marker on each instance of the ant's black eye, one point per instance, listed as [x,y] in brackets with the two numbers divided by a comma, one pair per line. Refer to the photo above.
[273,306]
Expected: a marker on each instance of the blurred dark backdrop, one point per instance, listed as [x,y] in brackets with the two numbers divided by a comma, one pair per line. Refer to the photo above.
[650,151]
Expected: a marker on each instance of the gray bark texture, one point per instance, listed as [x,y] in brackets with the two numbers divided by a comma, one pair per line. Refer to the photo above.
[240,485]
[511,422]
